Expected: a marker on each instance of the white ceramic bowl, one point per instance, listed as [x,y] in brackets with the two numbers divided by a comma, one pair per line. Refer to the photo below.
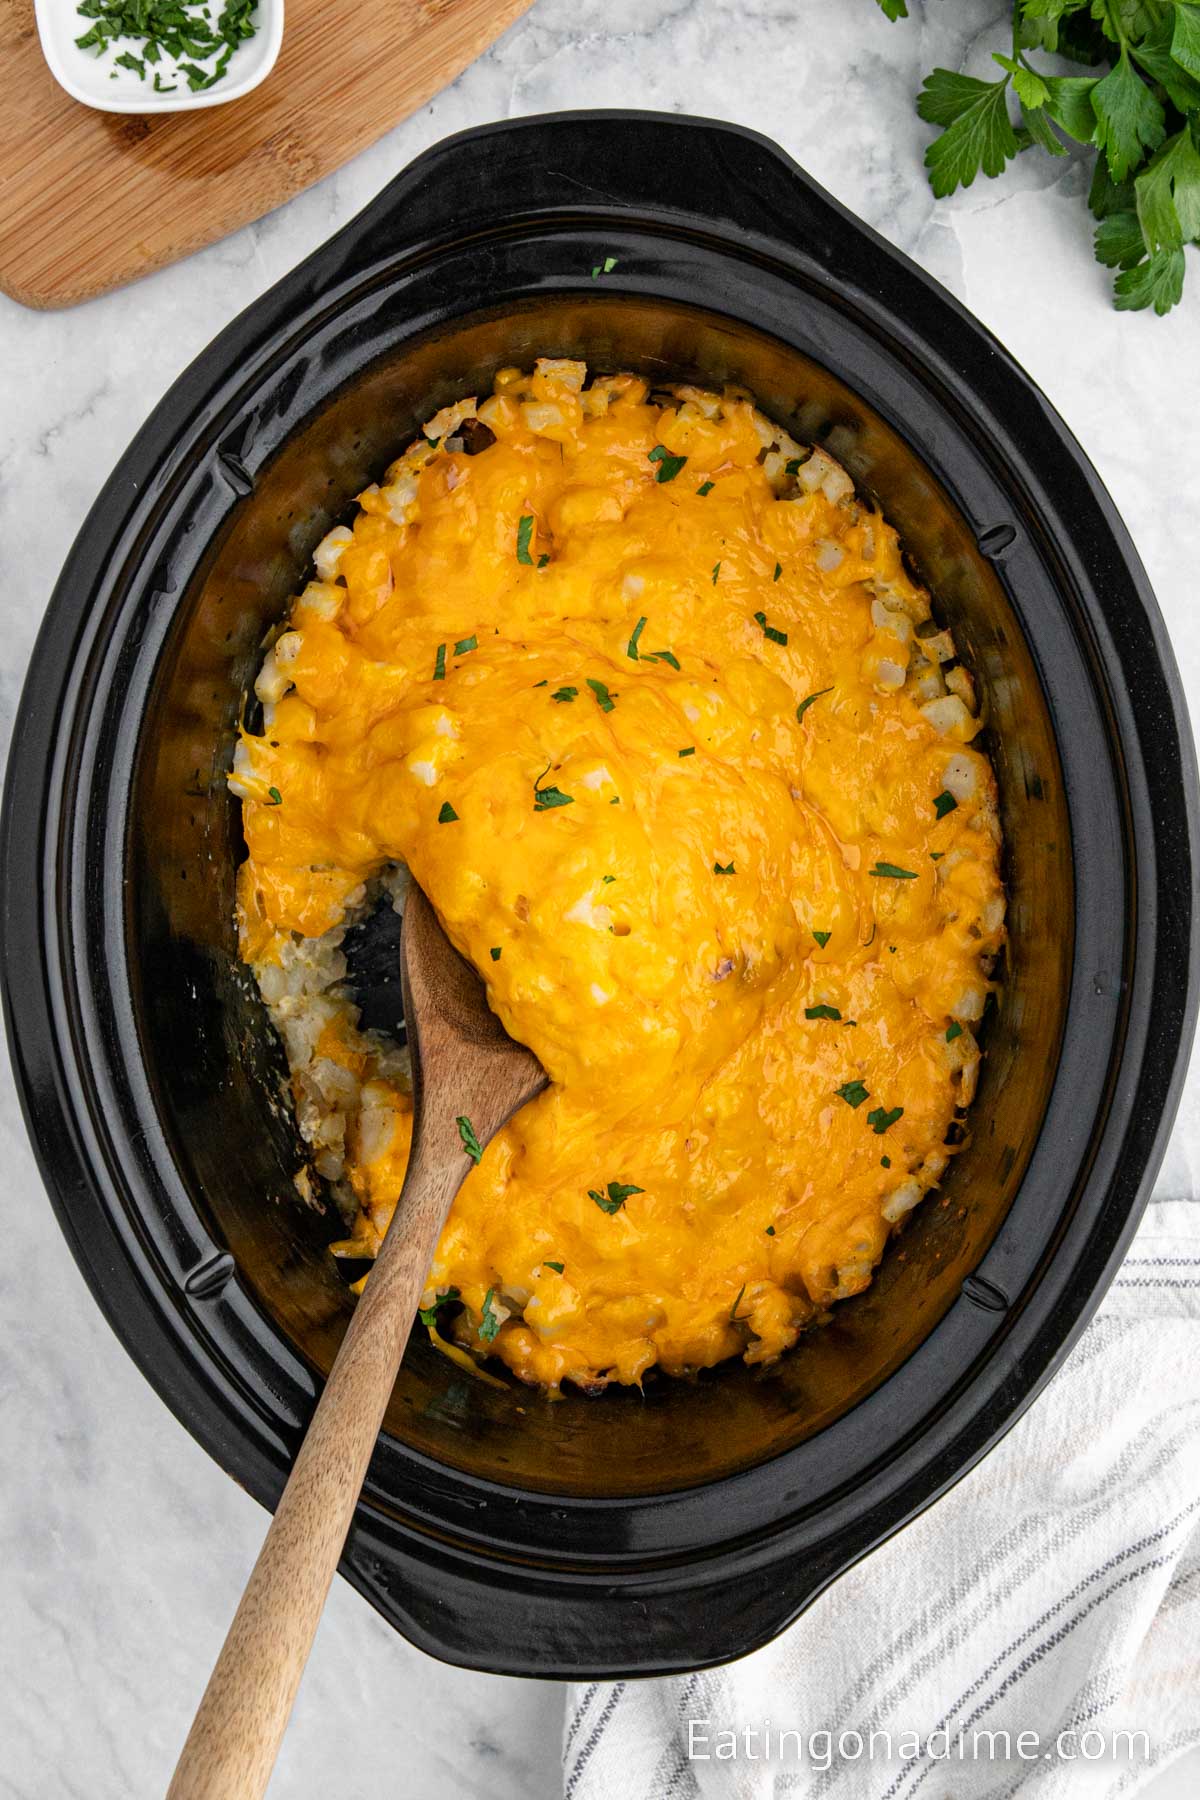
[97,82]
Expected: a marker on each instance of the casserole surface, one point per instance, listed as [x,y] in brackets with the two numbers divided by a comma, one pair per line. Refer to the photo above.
[731,873]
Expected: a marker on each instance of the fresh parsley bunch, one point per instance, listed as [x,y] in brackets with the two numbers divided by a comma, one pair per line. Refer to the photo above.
[1140,108]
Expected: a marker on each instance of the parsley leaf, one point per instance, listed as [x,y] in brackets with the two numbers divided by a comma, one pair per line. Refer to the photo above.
[544,798]
[631,649]
[1119,241]
[465,644]
[735,1317]
[1070,105]
[275,798]
[564,693]
[879,1118]
[706,487]
[822,1012]
[604,700]
[1168,195]
[1157,282]
[495,952]
[953,1030]
[893,870]
[768,631]
[893,9]
[944,803]
[557,1267]
[853,1093]
[428,1314]
[470,1142]
[822,937]
[806,703]
[1185,40]
[524,537]
[489,1321]
[976,131]
[613,1198]
[1129,119]
[447,816]
[668,466]
[723,868]
[439,664]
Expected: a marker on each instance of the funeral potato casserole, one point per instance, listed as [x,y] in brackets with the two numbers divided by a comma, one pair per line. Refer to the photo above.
[640,691]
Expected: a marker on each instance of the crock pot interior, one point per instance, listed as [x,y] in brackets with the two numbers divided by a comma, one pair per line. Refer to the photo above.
[218,1073]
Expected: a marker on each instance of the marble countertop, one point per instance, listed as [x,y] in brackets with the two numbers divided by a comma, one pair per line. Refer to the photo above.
[122,1547]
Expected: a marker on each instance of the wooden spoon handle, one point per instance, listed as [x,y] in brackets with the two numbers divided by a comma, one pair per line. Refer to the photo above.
[235,1736]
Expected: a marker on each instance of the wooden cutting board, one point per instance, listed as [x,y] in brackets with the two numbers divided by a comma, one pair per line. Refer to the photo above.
[91,200]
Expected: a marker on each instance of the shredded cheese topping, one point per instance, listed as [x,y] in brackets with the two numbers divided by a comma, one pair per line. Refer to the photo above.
[644,697]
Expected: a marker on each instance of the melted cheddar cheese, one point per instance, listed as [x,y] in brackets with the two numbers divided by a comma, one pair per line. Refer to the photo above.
[644,698]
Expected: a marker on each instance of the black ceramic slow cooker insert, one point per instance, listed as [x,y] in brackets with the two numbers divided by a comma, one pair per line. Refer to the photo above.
[628,1533]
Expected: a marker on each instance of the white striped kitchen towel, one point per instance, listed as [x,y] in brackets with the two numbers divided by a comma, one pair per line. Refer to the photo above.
[1055,1590]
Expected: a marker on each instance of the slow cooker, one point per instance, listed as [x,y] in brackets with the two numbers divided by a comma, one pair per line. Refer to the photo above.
[637,1532]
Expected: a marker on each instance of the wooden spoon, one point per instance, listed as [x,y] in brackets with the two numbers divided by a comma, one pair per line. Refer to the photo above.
[467,1071]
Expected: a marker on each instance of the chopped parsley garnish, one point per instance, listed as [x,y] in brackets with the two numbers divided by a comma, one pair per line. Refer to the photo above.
[524,538]
[853,1093]
[690,751]
[944,803]
[794,464]
[885,1162]
[936,855]
[716,573]
[607,878]
[489,1322]
[439,664]
[668,465]
[494,953]
[447,816]
[892,871]
[564,693]
[613,1198]
[428,1314]
[770,1231]
[604,268]
[544,798]
[769,631]
[736,1318]
[465,644]
[953,1030]
[778,572]
[631,648]
[275,797]
[723,868]
[822,1012]
[557,1267]
[543,559]
[667,656]
[880,1118]
[822,937]
[470,1142]
[604,700]
[706,487]
[167,25]
[805,704]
